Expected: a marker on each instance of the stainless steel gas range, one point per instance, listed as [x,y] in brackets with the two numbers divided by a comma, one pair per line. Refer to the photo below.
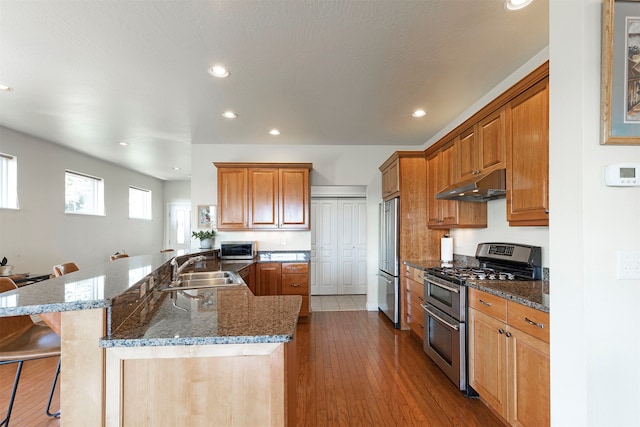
[445,296]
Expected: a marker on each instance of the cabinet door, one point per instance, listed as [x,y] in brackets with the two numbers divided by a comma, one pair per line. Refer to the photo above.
[248,274]
[529,373]
[294,199]
[434,206]
[491,146]
[232,198]
[391,180]
[528,157]
[488,359]
[263,198]
[467,155]
[448,175]
[268,279]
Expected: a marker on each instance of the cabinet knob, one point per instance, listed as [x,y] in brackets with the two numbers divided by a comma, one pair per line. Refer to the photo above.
[508,334]
[501,331]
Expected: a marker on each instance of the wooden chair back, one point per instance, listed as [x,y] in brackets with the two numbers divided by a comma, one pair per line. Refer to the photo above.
[118,256]
[12,326]
[66,268]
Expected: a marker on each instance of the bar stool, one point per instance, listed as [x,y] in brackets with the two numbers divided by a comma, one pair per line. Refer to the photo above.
[66,268]
[20,340]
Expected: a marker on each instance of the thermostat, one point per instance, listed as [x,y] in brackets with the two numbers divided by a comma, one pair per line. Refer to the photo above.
[622,175]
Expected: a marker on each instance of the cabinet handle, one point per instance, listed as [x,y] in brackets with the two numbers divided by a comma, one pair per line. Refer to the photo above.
[501,331]
[421,298]
[488,304]
[508,334]
[532,323]
[295,285]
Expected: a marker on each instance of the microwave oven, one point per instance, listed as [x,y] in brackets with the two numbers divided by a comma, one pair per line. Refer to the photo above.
[238,250]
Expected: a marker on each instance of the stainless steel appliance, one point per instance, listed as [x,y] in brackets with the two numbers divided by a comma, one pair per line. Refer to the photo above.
[445,306]
[389,270]
[238,250]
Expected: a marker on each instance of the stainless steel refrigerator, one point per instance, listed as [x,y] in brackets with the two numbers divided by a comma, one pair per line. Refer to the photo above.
[389,269]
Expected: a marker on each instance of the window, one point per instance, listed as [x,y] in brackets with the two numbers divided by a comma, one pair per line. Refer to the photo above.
[8,181]
[83,194]
[139,203]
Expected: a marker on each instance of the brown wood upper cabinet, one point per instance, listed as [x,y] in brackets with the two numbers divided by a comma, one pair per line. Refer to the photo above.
[391,179]
[481,148]
[266,196]
[442,170]
[527,118]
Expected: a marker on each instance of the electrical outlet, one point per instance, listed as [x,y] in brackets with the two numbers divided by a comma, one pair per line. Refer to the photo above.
[628,265]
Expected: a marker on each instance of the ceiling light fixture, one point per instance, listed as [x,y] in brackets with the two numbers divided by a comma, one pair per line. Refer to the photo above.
[219,71]
[124,144]
[274,132]
[419,113]
[176,168]
[5,88]
[229,115]
[516,4]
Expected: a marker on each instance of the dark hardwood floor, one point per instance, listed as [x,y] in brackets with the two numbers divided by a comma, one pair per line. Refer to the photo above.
[355,369]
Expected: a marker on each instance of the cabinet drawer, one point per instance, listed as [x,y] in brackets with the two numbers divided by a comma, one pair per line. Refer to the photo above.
[295,284]
[491,305]
[415,293]
[529,320]
[414,274]
[295,267]
[415,319]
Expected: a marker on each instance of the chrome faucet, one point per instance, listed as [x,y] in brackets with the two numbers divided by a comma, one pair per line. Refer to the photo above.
[178,269]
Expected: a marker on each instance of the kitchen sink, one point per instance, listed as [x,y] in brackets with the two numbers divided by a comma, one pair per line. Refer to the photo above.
[204,279]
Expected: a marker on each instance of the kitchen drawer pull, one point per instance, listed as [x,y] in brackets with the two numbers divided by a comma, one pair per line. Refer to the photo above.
[488,304]
[532,323]
[295,285]
[421,277]
[501,331]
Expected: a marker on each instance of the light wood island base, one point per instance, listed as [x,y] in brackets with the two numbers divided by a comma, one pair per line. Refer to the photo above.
[228,384]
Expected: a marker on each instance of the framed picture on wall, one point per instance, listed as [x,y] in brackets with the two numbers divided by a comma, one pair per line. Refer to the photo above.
[206,216]
[620,87]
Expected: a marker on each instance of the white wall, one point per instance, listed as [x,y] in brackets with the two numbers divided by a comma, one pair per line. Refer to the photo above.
[40,235]
[595,333]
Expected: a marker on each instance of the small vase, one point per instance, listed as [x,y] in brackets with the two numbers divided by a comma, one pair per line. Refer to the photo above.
[206,243]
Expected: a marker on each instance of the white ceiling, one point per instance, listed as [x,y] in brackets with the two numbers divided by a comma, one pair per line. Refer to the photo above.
[89,74]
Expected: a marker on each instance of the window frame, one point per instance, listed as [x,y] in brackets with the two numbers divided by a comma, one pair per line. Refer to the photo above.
[9,182]
[98,208]
[147,203]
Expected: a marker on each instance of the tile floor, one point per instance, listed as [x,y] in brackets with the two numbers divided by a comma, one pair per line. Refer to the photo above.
[338,302]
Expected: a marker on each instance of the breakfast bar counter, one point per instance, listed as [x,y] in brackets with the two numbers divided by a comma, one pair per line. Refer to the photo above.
[134,353]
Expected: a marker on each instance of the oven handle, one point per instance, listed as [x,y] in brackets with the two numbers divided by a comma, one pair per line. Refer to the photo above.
[432,314]
[442,285]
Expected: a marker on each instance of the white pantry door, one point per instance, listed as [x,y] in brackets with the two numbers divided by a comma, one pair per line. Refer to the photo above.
[338,246]
[324,247]
[352,246]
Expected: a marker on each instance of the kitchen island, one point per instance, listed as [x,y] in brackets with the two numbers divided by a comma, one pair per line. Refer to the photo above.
[130,357]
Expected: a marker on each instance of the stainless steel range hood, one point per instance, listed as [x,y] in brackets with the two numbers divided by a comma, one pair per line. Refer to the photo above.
[480,188]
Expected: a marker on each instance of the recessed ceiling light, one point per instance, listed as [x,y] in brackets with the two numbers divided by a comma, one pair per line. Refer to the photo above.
[124,144]
[5,88]
[274,132]
[419,113]
[516,4]
[229,115]
[176,168]
[219,71]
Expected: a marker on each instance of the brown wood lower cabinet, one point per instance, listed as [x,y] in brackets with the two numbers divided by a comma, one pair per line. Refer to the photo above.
[508,367]
[286,278]
[248,274]
[414,292]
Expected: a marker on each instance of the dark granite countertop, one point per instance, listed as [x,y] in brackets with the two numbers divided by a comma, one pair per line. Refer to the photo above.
[532,293]
[224,315]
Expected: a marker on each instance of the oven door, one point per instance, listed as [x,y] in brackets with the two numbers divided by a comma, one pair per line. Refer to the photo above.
[444,343]
[446,296]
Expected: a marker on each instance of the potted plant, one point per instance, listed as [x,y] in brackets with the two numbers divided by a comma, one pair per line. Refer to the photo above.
[206,238]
